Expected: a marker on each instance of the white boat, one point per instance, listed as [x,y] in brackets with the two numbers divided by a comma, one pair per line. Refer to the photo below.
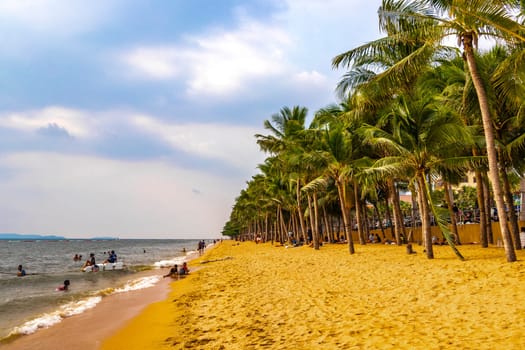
[105,267]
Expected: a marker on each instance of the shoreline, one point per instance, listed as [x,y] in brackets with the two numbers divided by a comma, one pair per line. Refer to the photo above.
[88,329]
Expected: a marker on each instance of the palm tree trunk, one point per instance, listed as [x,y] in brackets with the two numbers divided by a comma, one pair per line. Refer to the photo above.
[425,214]
[450,203]
[399,227]
[299,210]
[266,226]
[389,217]
[490,144]
[483,238]
[358,214]
[346,221]
[376,210]
[488,205]
[328,231]
[315,239]
[514,229]
[317,235]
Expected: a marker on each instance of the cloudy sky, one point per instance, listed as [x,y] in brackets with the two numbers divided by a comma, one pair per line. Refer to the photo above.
[136,118]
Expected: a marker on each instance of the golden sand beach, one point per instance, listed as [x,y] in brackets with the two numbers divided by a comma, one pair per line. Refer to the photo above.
[249,296]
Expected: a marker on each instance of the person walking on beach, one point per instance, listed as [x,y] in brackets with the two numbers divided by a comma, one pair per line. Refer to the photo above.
[21,272]
[201,247]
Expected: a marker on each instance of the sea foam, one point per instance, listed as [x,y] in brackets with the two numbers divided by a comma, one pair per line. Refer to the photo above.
[49,319]
[78,307]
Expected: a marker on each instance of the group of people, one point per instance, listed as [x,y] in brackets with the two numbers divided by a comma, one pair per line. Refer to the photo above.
[21,272]
[176,272]
[201,247]
[112,258]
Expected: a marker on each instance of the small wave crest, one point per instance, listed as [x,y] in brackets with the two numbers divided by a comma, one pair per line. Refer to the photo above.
[169,263]
[140,283]
[49,319]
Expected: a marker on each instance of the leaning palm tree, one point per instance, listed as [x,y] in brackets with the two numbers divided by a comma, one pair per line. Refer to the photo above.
[423,139]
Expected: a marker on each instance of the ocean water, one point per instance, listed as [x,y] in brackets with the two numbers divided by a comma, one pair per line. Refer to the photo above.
[32,302]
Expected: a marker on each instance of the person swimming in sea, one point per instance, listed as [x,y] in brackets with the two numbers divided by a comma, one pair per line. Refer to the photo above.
[21,272]
[63,287]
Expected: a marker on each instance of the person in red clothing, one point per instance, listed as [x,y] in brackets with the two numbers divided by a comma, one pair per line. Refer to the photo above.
[184,269]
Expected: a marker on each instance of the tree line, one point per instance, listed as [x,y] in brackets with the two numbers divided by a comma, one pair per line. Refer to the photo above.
[413,111]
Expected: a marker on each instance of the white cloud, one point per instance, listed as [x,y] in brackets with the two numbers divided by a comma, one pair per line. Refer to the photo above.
[219,63]
[77,123]
[312,77]
[79,196]
[154,62]
[230,144]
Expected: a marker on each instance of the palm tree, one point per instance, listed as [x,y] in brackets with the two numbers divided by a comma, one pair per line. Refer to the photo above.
[286,132]
[337,156]
[422,139]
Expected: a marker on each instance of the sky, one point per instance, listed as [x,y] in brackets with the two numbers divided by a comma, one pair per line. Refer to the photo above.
[136,118]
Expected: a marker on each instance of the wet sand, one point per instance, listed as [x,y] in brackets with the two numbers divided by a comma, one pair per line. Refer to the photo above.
[249,296]
[87,330]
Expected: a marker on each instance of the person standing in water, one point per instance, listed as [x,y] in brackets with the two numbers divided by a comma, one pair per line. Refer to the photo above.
[21,272]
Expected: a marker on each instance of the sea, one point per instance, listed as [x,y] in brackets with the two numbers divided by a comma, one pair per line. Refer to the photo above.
[32,302]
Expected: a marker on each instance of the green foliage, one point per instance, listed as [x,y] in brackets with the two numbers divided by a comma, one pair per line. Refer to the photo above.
[466,198]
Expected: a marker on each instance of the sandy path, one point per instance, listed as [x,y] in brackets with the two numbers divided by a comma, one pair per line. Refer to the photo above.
[257,296]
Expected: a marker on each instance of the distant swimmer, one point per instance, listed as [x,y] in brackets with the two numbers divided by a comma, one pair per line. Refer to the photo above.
[21,272]
[64,287]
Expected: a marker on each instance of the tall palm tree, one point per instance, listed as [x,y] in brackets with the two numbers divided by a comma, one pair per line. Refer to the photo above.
[421,141]
[337,155]
[286,130]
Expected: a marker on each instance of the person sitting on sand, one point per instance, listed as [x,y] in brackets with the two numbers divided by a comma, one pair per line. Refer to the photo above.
[173,272]
[184,269]
[21,272]
[64,287]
